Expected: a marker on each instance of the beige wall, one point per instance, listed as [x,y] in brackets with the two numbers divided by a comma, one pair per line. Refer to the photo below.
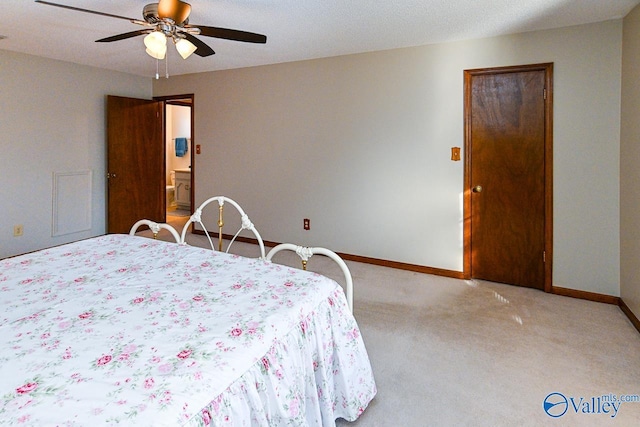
[630,165]
[360,144]
[52,119]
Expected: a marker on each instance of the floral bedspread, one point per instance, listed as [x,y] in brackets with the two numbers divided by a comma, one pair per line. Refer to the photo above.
[128,330]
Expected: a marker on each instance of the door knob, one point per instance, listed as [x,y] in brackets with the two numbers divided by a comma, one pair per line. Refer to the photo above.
[477,189]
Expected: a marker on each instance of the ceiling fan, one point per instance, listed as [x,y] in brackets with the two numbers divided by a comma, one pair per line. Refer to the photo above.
[169,19]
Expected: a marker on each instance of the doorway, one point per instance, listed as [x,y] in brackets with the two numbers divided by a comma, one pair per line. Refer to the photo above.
[137,152]
[179,167]
[508,175]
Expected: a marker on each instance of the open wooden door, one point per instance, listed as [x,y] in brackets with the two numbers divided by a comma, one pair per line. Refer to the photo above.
[135,162]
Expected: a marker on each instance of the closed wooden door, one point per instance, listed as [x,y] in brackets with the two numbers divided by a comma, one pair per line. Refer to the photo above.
[508,178]
[135,162]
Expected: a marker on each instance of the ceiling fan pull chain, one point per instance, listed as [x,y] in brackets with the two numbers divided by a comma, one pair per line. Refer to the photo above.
[157,66]
[166,66]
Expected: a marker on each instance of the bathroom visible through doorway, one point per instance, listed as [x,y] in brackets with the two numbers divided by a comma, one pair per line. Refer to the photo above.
[179,158]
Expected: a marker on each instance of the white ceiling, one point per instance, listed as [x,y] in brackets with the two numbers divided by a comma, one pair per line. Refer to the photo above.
[295,29]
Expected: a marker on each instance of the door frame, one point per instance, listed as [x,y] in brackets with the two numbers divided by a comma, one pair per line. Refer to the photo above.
[548,161]
[174,99]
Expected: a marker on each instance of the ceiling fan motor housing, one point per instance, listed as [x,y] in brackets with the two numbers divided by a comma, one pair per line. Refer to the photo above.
[150,13]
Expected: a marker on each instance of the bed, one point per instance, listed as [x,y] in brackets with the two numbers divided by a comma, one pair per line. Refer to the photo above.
[123,329]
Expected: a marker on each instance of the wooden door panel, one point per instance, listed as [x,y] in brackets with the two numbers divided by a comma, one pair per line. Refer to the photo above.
[135,162]
[507,157]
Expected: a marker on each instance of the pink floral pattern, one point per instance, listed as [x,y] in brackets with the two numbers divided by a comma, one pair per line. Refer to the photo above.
[132,331]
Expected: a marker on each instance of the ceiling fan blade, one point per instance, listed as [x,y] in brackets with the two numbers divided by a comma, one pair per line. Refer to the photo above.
[202,48]
[176,10]
[78,9]
[124,36]
[226,33]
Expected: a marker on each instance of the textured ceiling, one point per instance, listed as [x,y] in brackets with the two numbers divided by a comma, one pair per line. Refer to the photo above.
[295,29]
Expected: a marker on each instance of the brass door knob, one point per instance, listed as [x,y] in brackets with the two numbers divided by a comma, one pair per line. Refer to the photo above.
[477,189]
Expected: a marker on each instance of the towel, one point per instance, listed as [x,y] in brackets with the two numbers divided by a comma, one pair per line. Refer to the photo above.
[181,146]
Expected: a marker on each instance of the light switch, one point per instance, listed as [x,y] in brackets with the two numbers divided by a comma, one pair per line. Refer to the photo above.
[455,153]
[197,148]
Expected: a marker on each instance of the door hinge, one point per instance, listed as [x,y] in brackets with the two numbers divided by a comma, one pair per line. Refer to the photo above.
[544,256]
[544,93]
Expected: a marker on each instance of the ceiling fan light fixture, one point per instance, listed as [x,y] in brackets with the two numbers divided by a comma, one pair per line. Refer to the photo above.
[157,54]
[185,48]
[156,43]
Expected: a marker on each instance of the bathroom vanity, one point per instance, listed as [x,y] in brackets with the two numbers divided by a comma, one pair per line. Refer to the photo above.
[183,188]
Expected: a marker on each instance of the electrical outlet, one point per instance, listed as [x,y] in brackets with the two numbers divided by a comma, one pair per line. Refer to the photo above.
[18,230]
[306,223]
